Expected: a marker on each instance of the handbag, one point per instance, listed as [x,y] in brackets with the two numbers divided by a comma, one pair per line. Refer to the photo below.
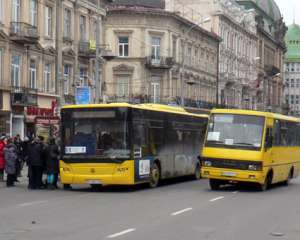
[50,178]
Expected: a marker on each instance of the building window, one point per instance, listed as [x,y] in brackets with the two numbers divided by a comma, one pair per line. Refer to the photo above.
[297,83]
[292,83]
[67,23]
[49,86]
[287,82]
[1,10]
[123,86]
[297,99]
[83,76]
[67,78]
[15,70]
[82,28]
[1,65]
[155,48]
[292,99]
[33,12]
[16,10]
[32,74]
[155,89]
[123,46]
[174,47]
[48,21]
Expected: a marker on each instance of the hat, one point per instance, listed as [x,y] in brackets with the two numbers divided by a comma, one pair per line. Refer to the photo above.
[2,137]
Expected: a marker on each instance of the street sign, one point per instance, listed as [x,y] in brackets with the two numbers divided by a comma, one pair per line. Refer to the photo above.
[83,95]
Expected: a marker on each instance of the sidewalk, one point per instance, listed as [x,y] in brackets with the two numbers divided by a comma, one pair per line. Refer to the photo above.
[23,180]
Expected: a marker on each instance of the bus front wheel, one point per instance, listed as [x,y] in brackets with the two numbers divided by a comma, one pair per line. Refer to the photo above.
[197,174]
[154,176]
[267,183]
[214,184]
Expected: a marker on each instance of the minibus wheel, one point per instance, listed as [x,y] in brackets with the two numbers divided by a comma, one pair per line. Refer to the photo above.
[267,183]
[290,176]
[214,184]
[67,186]
[154,175]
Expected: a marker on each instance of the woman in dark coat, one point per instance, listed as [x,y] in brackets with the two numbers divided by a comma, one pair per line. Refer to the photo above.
[52,163]
[11,157]
[2,161]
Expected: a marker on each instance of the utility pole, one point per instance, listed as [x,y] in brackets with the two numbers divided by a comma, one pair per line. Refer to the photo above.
[58,61]
[98,83]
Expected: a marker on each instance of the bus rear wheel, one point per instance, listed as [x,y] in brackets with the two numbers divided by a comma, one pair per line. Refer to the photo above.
[154,176]
[214,184]
[289,178]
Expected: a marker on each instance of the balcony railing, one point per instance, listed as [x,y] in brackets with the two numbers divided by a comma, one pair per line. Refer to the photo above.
[159,63]
[86,50]
[21,96]
[23,32]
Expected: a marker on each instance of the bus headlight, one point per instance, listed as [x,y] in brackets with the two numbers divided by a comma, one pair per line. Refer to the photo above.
[207,163]
[254,167]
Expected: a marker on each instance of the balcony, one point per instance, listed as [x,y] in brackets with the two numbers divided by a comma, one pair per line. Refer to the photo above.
[86,50]
[23,33]
[159,63]
[21,96]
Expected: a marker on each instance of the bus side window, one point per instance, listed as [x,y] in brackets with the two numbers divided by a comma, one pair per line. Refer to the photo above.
[269,138]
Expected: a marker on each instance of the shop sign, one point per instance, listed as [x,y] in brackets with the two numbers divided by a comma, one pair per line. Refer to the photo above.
[47,127]
[43,112]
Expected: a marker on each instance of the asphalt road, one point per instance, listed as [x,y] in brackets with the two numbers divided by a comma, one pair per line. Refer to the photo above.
[178,210]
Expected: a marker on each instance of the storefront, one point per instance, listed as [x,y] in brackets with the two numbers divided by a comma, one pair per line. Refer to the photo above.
[42,121]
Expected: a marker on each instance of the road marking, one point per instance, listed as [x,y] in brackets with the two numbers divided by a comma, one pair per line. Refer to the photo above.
[181,211]
[121,233]
[235,192]
[216,199]
[31,203]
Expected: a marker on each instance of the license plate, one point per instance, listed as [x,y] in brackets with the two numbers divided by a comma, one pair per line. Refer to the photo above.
[93,182]
[229,174]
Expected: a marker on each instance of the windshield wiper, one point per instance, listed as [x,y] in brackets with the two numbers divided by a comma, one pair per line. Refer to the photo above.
[215,141]
[245,144]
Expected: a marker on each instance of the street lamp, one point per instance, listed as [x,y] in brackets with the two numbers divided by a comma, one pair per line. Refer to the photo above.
[205,20]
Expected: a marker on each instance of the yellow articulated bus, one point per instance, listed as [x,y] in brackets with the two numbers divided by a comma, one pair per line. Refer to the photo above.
[124,144]
[250,146]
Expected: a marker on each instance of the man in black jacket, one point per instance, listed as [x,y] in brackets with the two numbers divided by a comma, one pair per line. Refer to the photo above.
[37,163]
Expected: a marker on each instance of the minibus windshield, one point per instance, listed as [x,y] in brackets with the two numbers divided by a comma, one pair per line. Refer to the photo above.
[235,131]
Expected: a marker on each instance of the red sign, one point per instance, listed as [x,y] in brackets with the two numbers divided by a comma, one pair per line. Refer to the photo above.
[43,112]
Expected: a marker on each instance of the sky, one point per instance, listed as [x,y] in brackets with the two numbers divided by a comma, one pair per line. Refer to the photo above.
[288,9]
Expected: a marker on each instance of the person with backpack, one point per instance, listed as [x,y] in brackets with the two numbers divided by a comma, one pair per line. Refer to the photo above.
[11,157]
[52,164]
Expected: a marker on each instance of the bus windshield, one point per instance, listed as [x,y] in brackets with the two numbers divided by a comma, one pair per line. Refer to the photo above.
[96,133]
[235,131]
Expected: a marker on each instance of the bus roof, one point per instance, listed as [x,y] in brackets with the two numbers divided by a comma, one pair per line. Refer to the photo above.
[256,113]
[145,106]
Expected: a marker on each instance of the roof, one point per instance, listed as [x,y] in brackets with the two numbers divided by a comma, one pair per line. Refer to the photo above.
[292,40]
[256,113]
[268,6]
[159,12]
[146,3]
[146,106]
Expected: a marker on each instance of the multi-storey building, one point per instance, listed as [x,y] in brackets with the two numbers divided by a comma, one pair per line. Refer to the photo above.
[159,62]
[238,49]
[46,50]
[271,48]
[292,71]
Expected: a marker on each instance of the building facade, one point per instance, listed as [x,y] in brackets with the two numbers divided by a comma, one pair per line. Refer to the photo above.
[236,27]
[46,51]
[271,49]
[292,71]
[160,63]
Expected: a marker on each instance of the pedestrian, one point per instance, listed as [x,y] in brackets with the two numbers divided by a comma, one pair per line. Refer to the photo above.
[10,156]
[20,160]
[25,147]
[36,162]
[52,164]
[2,160]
